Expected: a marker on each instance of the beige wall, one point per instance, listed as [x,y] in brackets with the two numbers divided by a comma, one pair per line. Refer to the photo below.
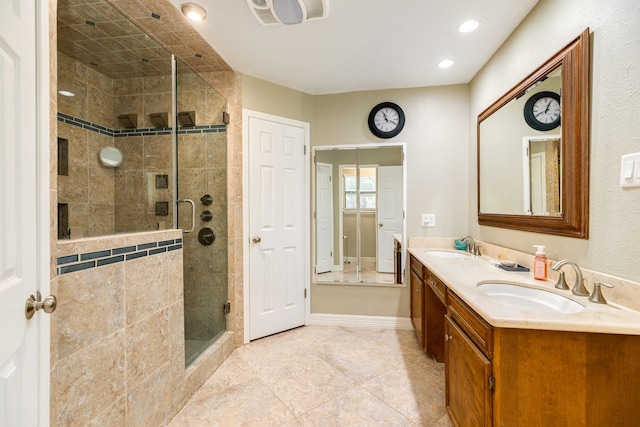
[436,134]
[441,142]
[615,46]
[260,95]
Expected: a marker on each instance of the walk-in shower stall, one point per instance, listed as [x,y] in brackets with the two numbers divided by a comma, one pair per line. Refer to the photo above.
[142,146]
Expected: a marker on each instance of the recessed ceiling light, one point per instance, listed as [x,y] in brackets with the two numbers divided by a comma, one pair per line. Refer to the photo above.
[193,11]
[66,93]
[445,63]
[468,26]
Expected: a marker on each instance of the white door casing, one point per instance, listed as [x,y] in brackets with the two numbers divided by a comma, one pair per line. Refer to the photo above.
[324,217]
[390,214]
[24,211]
[277,224]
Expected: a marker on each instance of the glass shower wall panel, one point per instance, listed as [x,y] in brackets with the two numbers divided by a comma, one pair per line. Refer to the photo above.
[202,178]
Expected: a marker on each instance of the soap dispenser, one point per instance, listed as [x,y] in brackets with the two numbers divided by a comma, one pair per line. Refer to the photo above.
[540,264]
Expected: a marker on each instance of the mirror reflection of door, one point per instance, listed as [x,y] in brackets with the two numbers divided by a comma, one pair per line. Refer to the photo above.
[359,210]
[390,214]
[324,217]
[541,175]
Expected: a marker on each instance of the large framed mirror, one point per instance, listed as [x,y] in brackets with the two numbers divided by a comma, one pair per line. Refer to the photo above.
[533,149]
[359,205]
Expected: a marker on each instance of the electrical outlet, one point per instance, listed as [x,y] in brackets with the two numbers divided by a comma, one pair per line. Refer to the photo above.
[428,220]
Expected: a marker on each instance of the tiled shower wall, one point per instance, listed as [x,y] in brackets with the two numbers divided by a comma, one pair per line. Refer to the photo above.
[88,122]
[182,40]
[118,356]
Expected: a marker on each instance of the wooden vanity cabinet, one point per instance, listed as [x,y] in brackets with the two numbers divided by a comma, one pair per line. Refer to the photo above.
[528,377]
[416,284]
[468,369]
[427,309]
[524,377]
[434,313]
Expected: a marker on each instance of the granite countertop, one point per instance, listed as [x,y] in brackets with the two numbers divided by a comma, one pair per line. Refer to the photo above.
[462,276]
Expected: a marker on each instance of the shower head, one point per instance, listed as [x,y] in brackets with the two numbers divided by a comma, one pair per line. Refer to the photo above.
[187,118]
[160,120]
[128,121]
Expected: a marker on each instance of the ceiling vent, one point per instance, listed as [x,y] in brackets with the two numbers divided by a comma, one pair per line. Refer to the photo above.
[288,12]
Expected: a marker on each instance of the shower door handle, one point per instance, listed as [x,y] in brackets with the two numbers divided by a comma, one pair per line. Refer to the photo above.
[193,213]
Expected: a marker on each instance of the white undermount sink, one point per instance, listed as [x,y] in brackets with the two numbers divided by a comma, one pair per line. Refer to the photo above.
[448,254]
[524,296]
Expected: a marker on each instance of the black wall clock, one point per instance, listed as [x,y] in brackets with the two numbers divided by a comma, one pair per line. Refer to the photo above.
[542,111]
[386,120]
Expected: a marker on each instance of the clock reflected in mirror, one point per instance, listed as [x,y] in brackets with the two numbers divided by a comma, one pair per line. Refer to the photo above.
[543,110]
[386,120]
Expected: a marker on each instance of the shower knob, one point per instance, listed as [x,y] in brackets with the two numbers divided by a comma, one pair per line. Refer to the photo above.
[206,199]
[206,236]
[206,216]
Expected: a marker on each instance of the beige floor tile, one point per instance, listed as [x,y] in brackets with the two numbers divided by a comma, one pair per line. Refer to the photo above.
[248,404]
[415,392]
[323,375]
[355,408]
[303,384]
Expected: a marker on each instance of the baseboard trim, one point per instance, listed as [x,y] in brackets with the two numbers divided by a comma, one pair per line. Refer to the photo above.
[381,322]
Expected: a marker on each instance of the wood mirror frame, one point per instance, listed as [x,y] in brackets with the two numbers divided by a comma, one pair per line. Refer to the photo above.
[574,221]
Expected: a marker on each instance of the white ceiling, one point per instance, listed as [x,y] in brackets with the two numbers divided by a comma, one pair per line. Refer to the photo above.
[363,44]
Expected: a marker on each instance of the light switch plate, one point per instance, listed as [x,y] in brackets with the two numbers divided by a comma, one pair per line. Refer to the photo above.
[428,220]
[630,170]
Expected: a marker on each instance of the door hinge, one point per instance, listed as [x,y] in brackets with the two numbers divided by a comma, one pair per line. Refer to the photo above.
[492,383]
[305,293]
[331,253]
[305,150]
[227,307]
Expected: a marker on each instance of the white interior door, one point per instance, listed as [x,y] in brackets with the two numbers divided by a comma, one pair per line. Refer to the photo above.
[390,213]
[24,344]
[277,230]
[324,217]
[538,184]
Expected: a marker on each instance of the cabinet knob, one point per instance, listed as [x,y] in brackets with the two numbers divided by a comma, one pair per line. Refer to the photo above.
[448,337]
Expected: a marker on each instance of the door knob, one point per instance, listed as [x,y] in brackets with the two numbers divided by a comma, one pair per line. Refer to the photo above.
[36,303]
[380,225]
[256,239]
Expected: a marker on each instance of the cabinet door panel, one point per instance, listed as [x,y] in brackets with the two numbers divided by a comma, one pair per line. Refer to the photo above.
[417,306]
[468,397]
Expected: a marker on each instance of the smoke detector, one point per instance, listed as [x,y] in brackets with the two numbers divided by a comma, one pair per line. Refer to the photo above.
[269,12]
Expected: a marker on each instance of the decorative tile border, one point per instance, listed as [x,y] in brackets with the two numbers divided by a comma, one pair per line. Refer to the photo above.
[119,133]
[77,262]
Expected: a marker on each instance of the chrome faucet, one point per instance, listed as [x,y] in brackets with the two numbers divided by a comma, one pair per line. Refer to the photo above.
[578,287]
[472,248]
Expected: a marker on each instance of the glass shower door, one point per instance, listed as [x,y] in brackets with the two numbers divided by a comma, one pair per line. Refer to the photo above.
[202,208]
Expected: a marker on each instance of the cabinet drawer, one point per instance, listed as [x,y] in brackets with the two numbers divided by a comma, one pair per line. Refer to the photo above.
[479,331]
[417,267]
[436,284]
